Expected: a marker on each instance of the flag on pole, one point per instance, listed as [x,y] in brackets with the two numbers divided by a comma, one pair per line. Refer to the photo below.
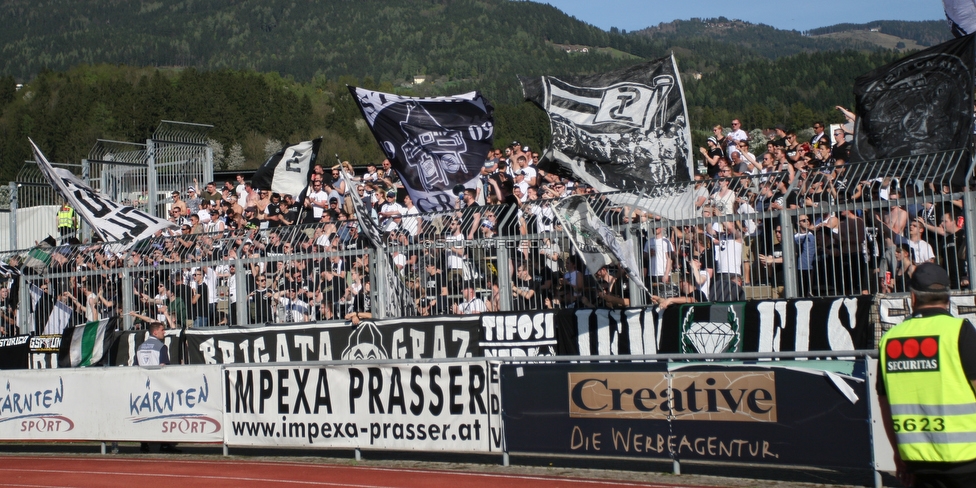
[628,128]
[597,244]
[625,130]
[434,144]
[50,315]
[87,344]
[287,171]
[399,303]
[110,220]
[39,256]
[920,104]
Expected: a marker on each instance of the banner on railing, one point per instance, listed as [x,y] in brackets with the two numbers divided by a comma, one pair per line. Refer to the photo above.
[128,342]
[422,338]
[518,334]
[820,324]
[169,404]
[693,411]
[425,407]
[838,324]
[895,310]
[14,352]
[44,351]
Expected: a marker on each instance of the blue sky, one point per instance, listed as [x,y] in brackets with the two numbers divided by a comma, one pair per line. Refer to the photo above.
[784,14]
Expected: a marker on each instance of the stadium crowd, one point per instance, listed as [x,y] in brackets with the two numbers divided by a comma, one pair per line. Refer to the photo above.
[305,256]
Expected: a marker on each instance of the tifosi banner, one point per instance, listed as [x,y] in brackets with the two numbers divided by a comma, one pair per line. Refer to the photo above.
[439,337]
[427,407]
[169,404]
[518,334]
[694,411]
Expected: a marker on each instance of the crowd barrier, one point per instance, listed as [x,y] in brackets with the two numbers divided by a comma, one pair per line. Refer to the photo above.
[734,408]
[828,248]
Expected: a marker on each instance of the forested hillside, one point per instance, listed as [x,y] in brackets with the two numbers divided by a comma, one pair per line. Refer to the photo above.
[275,70]
[927,33]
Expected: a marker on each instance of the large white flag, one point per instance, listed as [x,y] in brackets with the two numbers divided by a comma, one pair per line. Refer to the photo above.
[287,171]
[110,220]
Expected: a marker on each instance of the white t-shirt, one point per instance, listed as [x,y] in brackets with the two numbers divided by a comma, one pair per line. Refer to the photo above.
[318,196]
[473,306]
[921,251]
[410,224]
[658,261]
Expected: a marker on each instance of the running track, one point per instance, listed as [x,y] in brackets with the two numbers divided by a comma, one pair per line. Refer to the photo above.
[120,472]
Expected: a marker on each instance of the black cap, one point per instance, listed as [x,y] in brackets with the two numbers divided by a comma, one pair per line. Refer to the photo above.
[930,277]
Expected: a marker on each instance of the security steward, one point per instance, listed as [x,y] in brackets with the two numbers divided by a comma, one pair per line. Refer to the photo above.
[153,352]
[67,220]
[928,388]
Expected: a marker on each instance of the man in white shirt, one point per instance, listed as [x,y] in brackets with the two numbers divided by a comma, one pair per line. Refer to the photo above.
[317,200]
[410,222]
[659,257]
[471,305]
[922,251]
[735,135]
[390,213]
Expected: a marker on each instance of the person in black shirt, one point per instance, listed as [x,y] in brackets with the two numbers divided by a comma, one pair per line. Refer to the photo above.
[525,290]
[275,210]
[332,287]
[200,302]
[435,289]
[290,210]
[260,302]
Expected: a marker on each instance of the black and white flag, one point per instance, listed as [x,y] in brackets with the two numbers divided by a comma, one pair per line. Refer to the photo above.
[624,130]
[434,144]
[288,170]
[920,104]
[51,316]
[112,221]
[597,244]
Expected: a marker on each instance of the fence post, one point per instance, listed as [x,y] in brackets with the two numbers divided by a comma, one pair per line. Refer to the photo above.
[84,232]
[969,210]
[379,262]
[151,178]
[24,309]
[789,254]
[240,281]
[13,215]
[504,274]
[634,292]
[128,302]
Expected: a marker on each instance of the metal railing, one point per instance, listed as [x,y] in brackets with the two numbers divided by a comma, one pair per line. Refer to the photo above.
[827,233]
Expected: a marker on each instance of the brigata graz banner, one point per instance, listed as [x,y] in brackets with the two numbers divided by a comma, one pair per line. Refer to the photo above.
[696,411]
[168,404]
[431,338]
[427,407]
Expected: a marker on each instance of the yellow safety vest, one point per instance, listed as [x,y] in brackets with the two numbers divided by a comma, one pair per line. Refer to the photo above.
[66,218]
[933,407]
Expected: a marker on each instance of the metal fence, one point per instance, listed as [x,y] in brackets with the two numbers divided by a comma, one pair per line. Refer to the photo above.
[836,231]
